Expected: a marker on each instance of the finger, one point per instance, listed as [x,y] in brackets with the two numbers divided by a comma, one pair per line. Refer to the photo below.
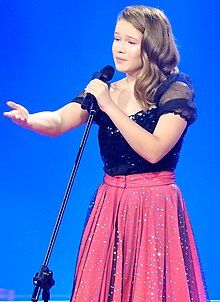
[22,110]
[10,113]
[97,81]
[13,105]
[91,89]
[20,122]
[16,116]
[20,117]
[103,84]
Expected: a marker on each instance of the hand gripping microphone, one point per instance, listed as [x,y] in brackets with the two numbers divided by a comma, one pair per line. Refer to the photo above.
[105,75]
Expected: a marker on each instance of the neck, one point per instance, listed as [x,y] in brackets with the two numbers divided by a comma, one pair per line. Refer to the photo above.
[130,80]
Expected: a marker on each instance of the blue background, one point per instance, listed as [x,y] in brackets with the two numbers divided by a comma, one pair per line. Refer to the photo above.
[49,50]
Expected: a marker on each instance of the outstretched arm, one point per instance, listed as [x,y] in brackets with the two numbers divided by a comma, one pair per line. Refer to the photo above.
[51,123]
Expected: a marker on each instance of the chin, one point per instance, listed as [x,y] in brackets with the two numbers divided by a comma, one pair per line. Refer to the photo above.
[125,69]
[121,68]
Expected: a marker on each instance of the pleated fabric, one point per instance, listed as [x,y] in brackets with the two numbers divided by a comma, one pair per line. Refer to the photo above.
[138,244]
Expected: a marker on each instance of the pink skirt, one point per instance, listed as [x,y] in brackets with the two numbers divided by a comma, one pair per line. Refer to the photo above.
[138,244]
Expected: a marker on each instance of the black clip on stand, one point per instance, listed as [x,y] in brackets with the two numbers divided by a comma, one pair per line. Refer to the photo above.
[44,278]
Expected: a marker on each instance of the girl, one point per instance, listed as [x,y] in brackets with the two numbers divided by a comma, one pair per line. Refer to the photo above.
[138,244]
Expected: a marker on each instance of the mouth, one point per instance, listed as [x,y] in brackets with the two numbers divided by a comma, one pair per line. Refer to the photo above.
[120,60]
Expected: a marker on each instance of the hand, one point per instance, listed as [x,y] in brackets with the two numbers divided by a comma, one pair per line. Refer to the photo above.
[19,115]
[101,92]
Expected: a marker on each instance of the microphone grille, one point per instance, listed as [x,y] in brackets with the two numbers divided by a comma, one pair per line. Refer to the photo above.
[106,73]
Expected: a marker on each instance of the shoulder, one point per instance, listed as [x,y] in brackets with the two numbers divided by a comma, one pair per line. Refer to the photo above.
[177,90]
[176,95]
[177,85]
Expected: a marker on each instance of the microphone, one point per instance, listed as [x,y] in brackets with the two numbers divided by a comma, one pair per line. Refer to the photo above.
[105,75]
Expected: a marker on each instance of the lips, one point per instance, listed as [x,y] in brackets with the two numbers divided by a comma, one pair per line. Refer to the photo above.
[120,60]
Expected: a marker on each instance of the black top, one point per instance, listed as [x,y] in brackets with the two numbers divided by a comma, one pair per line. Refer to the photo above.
[174,95]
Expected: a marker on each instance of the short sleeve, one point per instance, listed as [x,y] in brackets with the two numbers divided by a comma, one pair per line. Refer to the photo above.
[85,104]
[178,99]
[83,101]
[79,98]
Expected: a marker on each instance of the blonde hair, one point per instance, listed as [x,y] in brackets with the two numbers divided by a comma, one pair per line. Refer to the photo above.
[159,52]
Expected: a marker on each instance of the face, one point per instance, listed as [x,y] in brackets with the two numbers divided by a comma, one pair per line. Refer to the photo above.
[126,48]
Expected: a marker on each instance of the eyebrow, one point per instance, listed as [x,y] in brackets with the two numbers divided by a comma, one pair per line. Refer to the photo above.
[127,36]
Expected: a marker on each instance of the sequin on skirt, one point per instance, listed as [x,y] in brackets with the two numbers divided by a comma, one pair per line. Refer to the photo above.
[138,244]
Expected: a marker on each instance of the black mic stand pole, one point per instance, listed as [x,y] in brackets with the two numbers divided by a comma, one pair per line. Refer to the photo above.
[44,278]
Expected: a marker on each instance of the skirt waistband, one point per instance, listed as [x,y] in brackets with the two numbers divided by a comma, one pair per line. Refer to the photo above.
[143,179]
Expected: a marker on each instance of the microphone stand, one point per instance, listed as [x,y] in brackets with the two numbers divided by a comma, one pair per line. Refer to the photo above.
[43,280]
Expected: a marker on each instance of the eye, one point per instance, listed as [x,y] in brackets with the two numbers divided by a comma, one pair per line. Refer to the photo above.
[116,39]
[131,42]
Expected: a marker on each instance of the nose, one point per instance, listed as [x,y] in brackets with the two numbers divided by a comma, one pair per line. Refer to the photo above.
[121,47]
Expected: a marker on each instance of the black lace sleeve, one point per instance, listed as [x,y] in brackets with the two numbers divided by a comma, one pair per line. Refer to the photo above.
[178,99]
[79,98]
